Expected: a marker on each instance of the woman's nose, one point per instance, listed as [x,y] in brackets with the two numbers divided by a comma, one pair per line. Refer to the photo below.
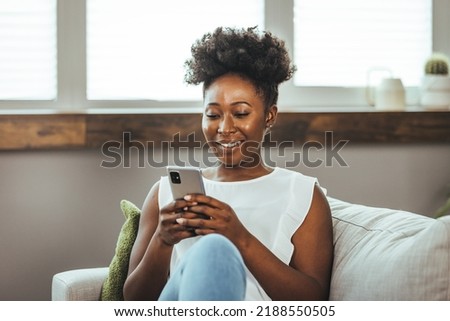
[227,126]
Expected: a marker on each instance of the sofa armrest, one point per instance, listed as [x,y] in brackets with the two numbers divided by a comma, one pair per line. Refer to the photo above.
[79,285]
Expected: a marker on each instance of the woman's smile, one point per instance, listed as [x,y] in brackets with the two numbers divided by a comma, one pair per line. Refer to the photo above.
[229,145]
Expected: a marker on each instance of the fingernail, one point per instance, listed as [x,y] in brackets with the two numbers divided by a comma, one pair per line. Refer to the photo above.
[180,221]
[188,197]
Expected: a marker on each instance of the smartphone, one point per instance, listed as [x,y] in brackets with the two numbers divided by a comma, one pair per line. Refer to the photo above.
[185,180]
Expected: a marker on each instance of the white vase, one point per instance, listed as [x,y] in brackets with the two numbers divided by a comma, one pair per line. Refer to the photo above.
[435,92]
[390,95]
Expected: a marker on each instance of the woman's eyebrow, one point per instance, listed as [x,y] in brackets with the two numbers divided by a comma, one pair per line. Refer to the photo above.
[241,102]
[212,104]
[233,104]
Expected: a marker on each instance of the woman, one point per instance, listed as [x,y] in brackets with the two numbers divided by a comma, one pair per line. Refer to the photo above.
[269,232]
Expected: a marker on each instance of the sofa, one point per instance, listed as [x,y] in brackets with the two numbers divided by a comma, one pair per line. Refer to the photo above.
[380,254]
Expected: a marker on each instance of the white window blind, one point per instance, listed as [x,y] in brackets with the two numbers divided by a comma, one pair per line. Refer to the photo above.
[136,48]
[337,43]
[28,50]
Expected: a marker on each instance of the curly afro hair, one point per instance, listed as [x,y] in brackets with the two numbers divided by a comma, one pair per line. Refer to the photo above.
[257,56]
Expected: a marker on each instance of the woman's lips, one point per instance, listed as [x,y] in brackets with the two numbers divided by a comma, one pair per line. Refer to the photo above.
[230,144]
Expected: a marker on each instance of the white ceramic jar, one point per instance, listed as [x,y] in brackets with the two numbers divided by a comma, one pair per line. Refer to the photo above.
[390,95]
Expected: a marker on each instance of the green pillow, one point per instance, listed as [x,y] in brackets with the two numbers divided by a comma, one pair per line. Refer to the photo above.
[112,289]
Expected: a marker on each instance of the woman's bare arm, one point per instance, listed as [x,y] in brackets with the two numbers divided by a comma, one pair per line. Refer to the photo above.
[308,275]
[150,257]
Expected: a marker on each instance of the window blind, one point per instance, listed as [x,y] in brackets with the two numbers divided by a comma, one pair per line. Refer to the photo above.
[338,42]
[28,66]
[136,48]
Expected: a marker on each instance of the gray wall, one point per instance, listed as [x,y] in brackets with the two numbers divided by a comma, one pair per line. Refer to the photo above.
[60,209]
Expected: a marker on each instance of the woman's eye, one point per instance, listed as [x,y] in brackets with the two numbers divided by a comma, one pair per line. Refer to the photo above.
[241,115]
[212,116]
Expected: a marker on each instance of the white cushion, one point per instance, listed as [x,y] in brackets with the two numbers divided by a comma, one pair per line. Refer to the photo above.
[385,254]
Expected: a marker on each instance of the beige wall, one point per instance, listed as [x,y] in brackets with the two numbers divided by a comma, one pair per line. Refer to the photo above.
[60,209]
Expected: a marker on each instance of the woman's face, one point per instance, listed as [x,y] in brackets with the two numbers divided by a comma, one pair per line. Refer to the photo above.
[234,121]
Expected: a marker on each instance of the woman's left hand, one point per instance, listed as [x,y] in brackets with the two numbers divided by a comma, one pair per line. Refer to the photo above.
[222,218]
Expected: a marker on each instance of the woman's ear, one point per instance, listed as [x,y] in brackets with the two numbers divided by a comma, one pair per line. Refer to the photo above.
[271,116]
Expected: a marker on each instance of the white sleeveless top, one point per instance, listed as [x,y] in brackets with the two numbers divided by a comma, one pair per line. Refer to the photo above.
[271,207]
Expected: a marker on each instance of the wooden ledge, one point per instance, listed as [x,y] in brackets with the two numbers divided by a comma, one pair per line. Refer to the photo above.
[93,130]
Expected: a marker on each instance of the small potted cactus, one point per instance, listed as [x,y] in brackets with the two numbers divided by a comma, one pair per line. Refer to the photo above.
[435,89]
[437,64]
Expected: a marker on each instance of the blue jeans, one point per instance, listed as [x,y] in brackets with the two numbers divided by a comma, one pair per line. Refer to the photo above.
[212,270]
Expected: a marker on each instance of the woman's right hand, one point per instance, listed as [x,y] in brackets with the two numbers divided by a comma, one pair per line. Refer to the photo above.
[168,229]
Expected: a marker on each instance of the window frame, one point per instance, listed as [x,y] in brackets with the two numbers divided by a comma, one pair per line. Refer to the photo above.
[293,97]
[71,82]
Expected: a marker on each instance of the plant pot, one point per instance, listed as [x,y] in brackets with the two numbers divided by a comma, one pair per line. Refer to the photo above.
[435,92]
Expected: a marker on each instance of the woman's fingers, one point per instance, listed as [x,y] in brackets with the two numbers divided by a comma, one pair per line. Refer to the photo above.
[197,225]
[177,206]
[204,199]
[170,230]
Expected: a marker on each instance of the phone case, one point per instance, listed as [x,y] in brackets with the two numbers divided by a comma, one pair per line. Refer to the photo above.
[185,180]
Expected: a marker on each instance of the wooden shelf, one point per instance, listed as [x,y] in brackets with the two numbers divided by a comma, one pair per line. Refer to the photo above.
[92,130]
